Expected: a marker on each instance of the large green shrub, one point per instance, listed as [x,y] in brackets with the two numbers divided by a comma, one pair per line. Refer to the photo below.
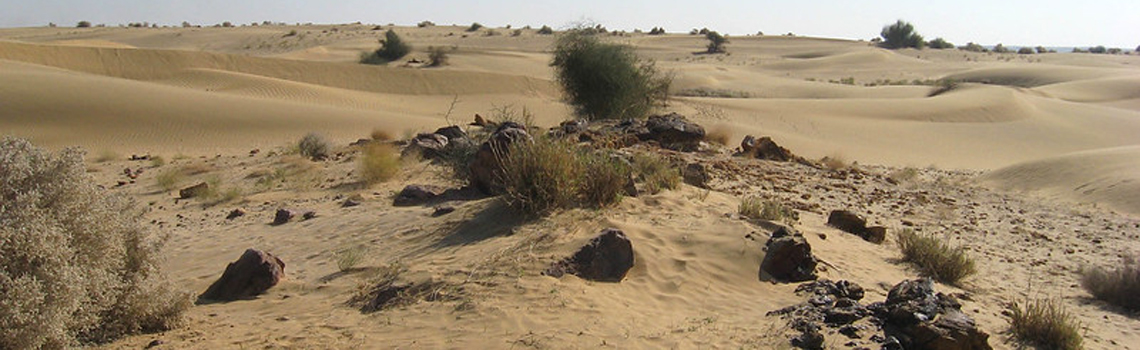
[391,48]
[940,44]
[75,265]
[901,35]
[606,80]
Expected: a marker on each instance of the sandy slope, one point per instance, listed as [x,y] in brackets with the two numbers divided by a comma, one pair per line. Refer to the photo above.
[1059,126]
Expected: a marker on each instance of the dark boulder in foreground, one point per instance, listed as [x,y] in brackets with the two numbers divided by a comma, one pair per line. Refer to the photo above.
[922,319]
[789,257]
[673,131]
[252,274]
[607,258]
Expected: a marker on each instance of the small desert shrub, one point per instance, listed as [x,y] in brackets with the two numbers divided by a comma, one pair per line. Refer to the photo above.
[716,42]
[605,80]
[474,27]
[940,44]
[934,257]
[710,92]
[379,134]
[169,179]
[1026,51]
[604,179]
[656,173]
[314,146]
[391,48]
[973,47]
[1045,324]
[901,35]
[83,24]
[290,33]
[718,135]
[157,161]
[378,163]
[106,156]
[1119,286]
[903,175]
[999,48]
[437,56]
[348,258]
[545,30]
[425,24]
[76,267]
[540,176]
[834,162]
[758,208]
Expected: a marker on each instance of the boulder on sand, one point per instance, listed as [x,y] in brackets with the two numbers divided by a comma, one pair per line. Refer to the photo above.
[252,274]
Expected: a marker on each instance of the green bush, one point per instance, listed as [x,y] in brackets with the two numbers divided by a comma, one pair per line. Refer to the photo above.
[901,35]
[973,47]
[1118,286]
[545,30]
[314,146]
[716,42]
[540,176]
[83,24]
[604,179]
[1045,324]
[934,257]
[940,44]
[391,48]
[474,27]
[605,80]
[76,267]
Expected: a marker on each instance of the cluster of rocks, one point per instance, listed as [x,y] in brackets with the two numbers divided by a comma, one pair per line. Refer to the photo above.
[438,143]
[764,148]
[284,215]
[606,258]
[853,223]
[252,274]
[912,317]
[672,131]
[788,257]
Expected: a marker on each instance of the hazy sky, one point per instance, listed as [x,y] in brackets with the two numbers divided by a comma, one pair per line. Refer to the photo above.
[1113,23]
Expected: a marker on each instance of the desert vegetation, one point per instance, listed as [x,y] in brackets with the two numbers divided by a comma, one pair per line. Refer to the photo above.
[314,146]
[934,257]
[940,44]
[438,56]
[378,163]
[392,48]
[606,80]
[901,35]
[716,42]
[1045,324]
[1118,286]
[77,267]
[755,207]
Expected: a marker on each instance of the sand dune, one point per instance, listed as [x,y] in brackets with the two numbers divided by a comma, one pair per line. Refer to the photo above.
[1106,176]
[1101,91]
[1033,76]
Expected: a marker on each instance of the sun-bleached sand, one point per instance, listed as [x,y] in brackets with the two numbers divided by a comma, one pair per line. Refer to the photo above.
[1050,139]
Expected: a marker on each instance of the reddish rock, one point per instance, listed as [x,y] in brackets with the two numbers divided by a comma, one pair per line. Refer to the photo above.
[252,274]
[789,257]
[283,216]
[607,258]
[194,191]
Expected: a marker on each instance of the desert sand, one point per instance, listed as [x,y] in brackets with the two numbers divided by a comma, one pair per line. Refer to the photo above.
[1032,161]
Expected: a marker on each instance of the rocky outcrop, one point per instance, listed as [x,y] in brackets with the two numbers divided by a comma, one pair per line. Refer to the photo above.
[606,258]
[853,223]
[252,274]
[486,166]
[788,257]
[283,216]
[764,148]
[426,145]
[673,131]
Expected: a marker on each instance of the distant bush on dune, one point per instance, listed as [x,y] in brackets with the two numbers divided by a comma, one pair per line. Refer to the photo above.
[606,80]
[940,44]
[474,27]
[973,47]
[901,35]
[392,48]
[545,30]
[76,267]
[83,24]
[425,24]
[999,48]
[657,31]
[716,42]
[437,56]
[1026,51]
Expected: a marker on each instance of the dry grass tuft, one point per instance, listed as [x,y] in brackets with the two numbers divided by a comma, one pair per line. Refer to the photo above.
[76,265]
[604,179]
[656,172]
[1119,286]
[719,135]
[540,176]
[348,258]
[379,163]
[1045,324]
[834,162]
[107,156]
[169,179]
[757,208]
[314,146]
[379,134]
[934,257]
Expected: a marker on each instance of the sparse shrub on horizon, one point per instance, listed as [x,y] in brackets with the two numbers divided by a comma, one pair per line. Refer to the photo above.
[716,42]
[378,163]
[999,48]
[934,257]
[1045,324]
[77,266]
[474,27]
[545,30]
[901,35]
[1098,49]
[657,31]
[973,47]
[424,24]
[1026,51]
[940,44]
[437,56]
[391,48]
[314,146]
[606,80]
[83,24]
[1118,286]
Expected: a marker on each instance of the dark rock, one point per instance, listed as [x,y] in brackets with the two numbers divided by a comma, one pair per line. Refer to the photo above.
[842,289]
[810,339]
[842,316]
[892,343]
[414,195]
[952,331]
[789,259]
[252,274]
[764,148]
[875,234]
[283,216]
[607,258]
[426,145]
[921,319]
[309,215]
[352,201]
[673,131]
[850,331]
[236,213]
[154,343]
[847,221]
[194,191]
[486,166]
[452,133]
[695,174]
[442,210]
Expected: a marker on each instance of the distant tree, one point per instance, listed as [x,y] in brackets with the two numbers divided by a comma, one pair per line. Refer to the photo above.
[1025,51]
[999,48]
[1098,49]
[545,30]
[186,24]
[973,47]
[227,24]
[901,35]
[425,24]
[694,31]
[391,48]
[939,43]
[1042,49]
[1115,51]
[474,27]
[1078,50]
[83,24]
[703,31]
[716,42]
[657,31]
[606,80]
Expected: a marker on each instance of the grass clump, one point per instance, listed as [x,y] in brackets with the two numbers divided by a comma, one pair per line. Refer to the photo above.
[391,48]
[604,179]
[540,176]
[348,258]
[757,208]
[1046,324]
[1118,286]
[76,266]
[157,161]
[169,179]
[657,173]
[934,257]
[314,146]
[379,163]
[606,80]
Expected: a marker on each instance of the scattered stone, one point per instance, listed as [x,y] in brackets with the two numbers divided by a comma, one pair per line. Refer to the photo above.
[922,319]
[442,210]
[352,201]
[426,145]
[283,216]
[788,258]
[236,213]
[142,157]
[154,343]
[695,174]
[414,195]
[309,215]
[764,148]
[485,168]
[606,258]
[875,234]
[853,223]
[194,191]
[252,274]
[673,131]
